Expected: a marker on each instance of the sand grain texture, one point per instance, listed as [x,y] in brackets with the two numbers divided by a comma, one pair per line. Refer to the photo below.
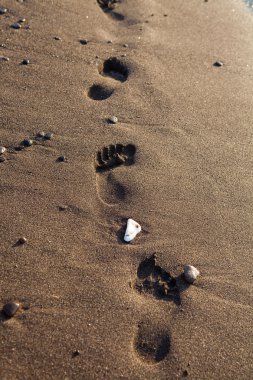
[188,184]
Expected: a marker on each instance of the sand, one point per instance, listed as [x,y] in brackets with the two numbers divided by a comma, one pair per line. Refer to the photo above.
[91,306]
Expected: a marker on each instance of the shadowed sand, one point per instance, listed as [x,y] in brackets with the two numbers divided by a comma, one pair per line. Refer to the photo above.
[179,162]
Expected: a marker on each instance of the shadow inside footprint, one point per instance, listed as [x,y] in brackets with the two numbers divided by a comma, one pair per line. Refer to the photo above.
[154,280]
[115,155]
[108,7]
[115,69]
[152,344]
[99,92]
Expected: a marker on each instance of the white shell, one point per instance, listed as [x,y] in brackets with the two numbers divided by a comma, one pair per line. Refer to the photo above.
[2,149]
[132,229]
[190,273]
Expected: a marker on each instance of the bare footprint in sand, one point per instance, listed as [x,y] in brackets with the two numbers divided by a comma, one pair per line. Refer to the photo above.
[154,280]
[151,343]
[108,6]
[109,189]
[115,69]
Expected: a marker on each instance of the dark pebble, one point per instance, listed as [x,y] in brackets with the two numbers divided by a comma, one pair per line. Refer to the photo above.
[3,11]
[61,159]
[25,62]
[22,240]
[63,208]
[16,25]
[2,159]
[83,41]
[218,64]
[57,38]
[21,20]
[27,142]
[125,45]
[76,353]
[165,15]
[10,308]
[109,42]
[185,373]
[48,135]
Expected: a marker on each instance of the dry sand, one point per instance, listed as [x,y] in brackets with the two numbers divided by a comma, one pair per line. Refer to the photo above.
[186,131]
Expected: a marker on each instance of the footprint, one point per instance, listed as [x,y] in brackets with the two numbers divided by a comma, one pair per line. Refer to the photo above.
[154,280]
[151,343]
[108,7]
[100,92]
[115,69]
[110,190]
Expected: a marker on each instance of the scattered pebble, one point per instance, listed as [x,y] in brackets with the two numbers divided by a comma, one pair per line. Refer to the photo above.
[16,25]
[2,58]
[123,55]
[218,64]
[76,353]
[21,20]
[113,119]
[125,45]
[57,38]
[27,142]
[190,273]
[41,134]
[62,159]
[165,15]
[2,159]
[133,228]
[48,135]
[109,41]
[83,41]
[2,149]
[63,207]
[22,240]
[11,308]
[3,11]
[25,62]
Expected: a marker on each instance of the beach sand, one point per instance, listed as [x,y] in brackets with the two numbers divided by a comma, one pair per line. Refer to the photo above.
[185,129]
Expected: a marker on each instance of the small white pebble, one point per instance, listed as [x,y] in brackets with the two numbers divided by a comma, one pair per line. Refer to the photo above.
[2,149]
[190,273]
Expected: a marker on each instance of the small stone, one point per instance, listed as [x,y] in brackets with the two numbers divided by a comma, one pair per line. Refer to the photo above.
[165,15]
[2,159]
[22,240]
[41,134]
[218,64]
[2,149]
[109,41]
[27,142]
[25,62]
[113,119]
[76,353]
[83,41]
[185,373]
[48,136]
[11,308]
[63,207]
[57,38]
[2,58]
[16,25]
[190,273]
[3,11]
[21,20]
[125,45]
[61,159]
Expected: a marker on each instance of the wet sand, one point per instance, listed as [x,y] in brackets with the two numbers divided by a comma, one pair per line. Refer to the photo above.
[178,161]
